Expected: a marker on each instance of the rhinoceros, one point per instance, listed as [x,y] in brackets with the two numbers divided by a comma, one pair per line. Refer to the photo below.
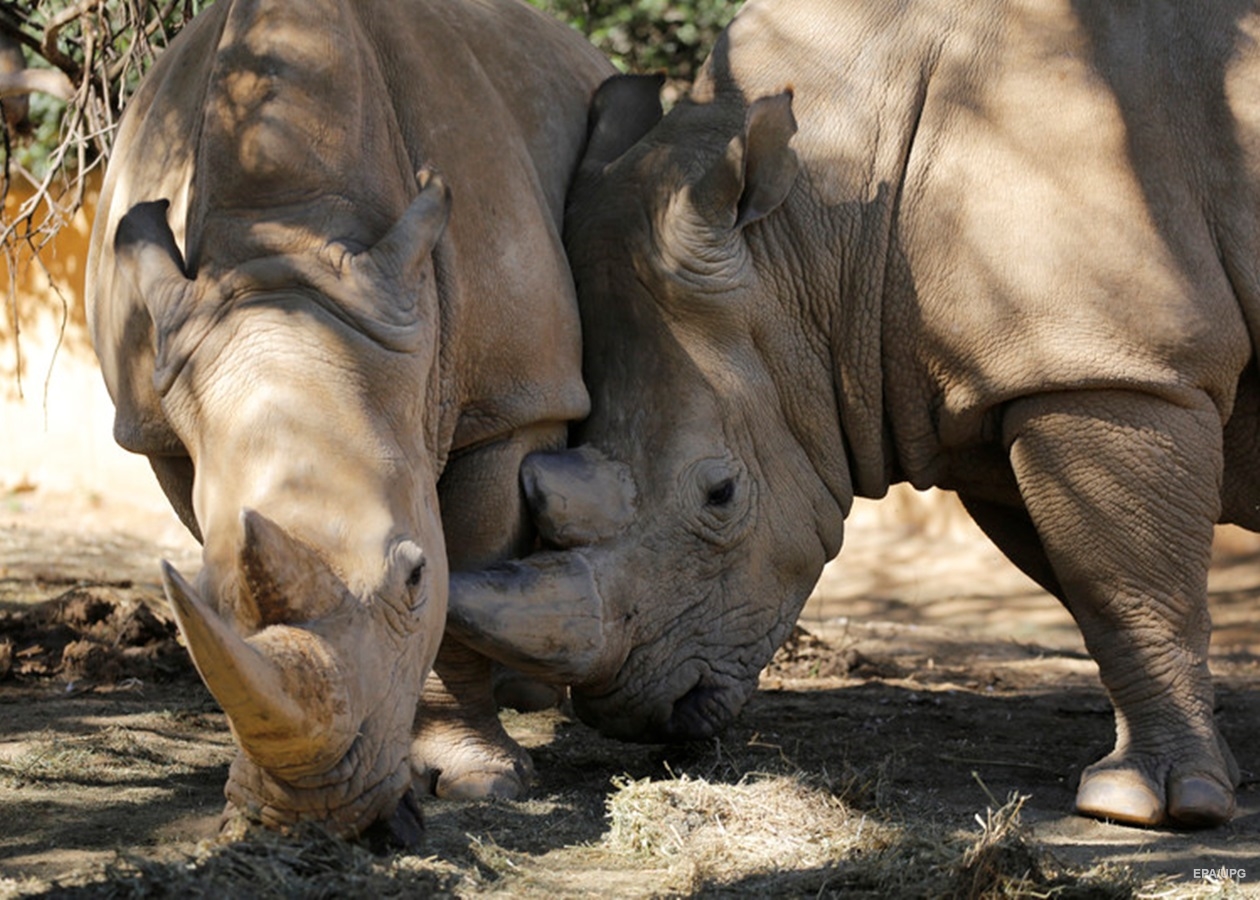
[302,344]
[1010,249]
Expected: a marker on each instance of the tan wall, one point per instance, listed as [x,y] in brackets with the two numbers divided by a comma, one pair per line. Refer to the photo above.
[49,287]
[59,465]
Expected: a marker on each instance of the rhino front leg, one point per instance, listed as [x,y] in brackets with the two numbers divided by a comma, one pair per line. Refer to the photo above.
[1124,489]
[460,749]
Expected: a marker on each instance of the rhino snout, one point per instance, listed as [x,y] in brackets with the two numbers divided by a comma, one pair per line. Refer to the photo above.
[702,711]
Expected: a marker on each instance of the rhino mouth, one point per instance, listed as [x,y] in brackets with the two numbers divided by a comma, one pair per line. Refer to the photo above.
[702,711]
[383,811]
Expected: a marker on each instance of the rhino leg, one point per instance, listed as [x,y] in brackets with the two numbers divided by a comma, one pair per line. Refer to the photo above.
[1124,489]
[1241,493]
[460,748]
[1011,529]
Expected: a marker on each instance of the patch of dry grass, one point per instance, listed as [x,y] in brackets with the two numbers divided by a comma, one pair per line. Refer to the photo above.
[707,831]
[308,863]
[764,835]
[114,755]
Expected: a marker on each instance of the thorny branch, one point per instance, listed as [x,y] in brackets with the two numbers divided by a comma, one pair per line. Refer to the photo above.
[89,54]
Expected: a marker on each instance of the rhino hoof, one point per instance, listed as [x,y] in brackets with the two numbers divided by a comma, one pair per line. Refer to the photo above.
[1119,795]
[1197,801]
[484,785]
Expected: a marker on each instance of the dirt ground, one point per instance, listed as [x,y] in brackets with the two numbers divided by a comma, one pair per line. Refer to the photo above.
[930,683]
[920,737]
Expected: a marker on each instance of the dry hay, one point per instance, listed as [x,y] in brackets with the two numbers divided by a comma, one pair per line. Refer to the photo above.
[743,817]
[763,824]
[307,863]
[766,835]
[782,836]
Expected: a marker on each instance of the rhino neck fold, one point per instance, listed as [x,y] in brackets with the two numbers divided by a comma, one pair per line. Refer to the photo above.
[839,225]
[794,335]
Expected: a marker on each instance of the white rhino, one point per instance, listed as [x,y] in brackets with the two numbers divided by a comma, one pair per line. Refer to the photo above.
[302,344]
[1013,250]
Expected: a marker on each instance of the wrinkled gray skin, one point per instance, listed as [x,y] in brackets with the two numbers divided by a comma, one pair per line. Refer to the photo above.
[1012,252]
[301,342]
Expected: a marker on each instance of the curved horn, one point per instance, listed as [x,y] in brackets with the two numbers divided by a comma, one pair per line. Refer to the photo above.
[542,615]
[281,689]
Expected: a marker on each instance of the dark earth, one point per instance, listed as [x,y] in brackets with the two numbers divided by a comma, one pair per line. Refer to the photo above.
[929,683]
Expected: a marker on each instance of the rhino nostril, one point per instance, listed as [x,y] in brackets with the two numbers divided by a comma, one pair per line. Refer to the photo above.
[700,713]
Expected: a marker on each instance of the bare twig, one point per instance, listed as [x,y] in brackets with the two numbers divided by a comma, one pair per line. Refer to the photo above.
[28,81]
[94,53]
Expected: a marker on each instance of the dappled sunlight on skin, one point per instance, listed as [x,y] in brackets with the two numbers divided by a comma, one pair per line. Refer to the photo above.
[311,161]
[1037,312]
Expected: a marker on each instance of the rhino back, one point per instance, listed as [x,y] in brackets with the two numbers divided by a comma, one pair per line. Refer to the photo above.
[496,94]
[275,129]
[1012,197]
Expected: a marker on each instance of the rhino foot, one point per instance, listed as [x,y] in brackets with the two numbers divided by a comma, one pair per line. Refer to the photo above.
[456,765]
[459,749]
[1132,792]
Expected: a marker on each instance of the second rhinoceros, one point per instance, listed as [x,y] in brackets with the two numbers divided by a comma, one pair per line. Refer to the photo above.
[1008,249]
[301,343]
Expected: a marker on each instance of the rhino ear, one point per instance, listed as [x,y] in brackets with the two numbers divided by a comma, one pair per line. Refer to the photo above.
[758,170]
[623,110]
[147,254]
[146,250]
[386,280]
[402,253]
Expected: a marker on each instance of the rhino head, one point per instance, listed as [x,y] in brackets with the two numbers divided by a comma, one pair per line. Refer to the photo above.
[694,519]
[299,386]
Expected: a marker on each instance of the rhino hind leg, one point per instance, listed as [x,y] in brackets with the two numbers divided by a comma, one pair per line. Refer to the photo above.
[1012,531]
[1241,493]
[1124,490]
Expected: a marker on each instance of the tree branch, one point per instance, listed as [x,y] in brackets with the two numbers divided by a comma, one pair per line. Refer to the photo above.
[45,81]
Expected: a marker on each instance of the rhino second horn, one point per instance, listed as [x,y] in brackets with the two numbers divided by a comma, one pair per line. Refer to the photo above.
[280,690]
[577,496]
[285,580]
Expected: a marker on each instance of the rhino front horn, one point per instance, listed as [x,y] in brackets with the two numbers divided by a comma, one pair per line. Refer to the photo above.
[543,616]
[282,690]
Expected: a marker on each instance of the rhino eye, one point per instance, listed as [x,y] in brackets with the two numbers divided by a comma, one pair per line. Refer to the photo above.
[722,493]
[414,576]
